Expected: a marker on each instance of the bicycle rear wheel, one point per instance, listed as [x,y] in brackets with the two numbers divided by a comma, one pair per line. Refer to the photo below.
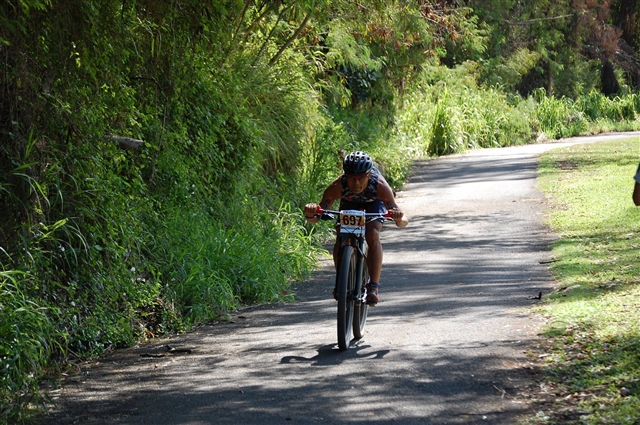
[345,284]
[360,307]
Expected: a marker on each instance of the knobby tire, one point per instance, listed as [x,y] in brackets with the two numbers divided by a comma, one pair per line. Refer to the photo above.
[345,284]
[360,308]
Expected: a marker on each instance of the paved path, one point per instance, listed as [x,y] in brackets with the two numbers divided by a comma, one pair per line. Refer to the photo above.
[445,346]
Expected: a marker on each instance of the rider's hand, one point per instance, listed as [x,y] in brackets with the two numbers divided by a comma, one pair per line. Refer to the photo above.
[398,216]
[310,211]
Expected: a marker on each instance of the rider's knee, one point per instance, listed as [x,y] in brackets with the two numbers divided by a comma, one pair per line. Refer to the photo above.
[372,236]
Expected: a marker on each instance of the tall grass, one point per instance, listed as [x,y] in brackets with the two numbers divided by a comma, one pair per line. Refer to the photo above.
[449,113]
[597,106]
[215,265]
[559,117]
[29,341]
[590,113]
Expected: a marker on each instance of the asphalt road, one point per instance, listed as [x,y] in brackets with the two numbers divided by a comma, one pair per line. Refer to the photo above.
[446,345]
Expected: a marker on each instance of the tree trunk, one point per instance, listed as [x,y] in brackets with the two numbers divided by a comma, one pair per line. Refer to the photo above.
[610,85]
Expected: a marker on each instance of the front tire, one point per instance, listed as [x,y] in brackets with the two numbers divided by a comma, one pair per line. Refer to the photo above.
[360,307]
[345,283]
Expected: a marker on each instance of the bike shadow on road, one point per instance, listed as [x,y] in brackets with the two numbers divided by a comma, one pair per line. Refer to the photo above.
[329,355]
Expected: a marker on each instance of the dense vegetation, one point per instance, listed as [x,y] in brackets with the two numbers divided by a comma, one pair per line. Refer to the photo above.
[244,108]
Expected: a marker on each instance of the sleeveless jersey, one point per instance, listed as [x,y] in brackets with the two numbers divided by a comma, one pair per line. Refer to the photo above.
[369,194]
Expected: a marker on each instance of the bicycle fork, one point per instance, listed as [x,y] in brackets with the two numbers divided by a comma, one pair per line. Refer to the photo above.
[361,287]
[359,293]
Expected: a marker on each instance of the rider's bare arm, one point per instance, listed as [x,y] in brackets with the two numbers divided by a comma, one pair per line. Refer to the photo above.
[636,188]
[331,193]
[385,194]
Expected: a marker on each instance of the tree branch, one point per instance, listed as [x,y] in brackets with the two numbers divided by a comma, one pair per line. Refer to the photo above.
[247,3]
[268,38]
[291,39]
[254,24]
[531,21]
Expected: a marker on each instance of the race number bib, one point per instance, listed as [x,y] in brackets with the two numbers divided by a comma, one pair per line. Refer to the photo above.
[352,221]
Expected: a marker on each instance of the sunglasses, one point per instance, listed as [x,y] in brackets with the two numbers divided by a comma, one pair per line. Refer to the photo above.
[358,177]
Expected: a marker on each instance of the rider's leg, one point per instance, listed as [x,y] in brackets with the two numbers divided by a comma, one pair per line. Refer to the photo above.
[374,260]
[336,250]
[374,257]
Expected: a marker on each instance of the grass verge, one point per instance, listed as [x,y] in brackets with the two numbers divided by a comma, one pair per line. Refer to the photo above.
[591,349]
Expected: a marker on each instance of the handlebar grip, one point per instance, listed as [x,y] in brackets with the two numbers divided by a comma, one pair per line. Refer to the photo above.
[320,212]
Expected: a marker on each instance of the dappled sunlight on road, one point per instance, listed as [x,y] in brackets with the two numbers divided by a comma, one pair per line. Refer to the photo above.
[444,346]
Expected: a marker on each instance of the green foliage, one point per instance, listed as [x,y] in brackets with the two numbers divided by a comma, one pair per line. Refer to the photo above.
[363,54]
[449,113]
[447,134]
[29,339]
[469,42]
[323,154]
[103,232]
[214,265]
[559,117]
[597,106]
[245,110]
[565,118]
[508,72]
[556,46]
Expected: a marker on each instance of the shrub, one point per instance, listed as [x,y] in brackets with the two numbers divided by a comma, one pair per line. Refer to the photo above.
[559,117]
[28,343]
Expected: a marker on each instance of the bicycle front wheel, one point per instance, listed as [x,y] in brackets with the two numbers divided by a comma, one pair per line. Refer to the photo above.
[345,284]
[360,307]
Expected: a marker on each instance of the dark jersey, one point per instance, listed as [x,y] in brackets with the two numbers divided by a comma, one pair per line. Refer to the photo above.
[369,194]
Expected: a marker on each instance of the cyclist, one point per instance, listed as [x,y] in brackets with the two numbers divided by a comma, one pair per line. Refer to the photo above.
[636,188]
[362,187]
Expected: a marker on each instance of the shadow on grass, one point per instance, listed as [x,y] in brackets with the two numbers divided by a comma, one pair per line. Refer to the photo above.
[596,378]
[599,262]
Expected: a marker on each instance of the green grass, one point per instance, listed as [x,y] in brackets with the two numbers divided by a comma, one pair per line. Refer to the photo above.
[592,339]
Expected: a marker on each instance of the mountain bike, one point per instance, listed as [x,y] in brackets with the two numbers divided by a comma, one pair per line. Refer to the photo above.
[352,274]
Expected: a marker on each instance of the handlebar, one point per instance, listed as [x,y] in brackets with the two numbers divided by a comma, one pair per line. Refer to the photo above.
[330,214]
[323,214]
